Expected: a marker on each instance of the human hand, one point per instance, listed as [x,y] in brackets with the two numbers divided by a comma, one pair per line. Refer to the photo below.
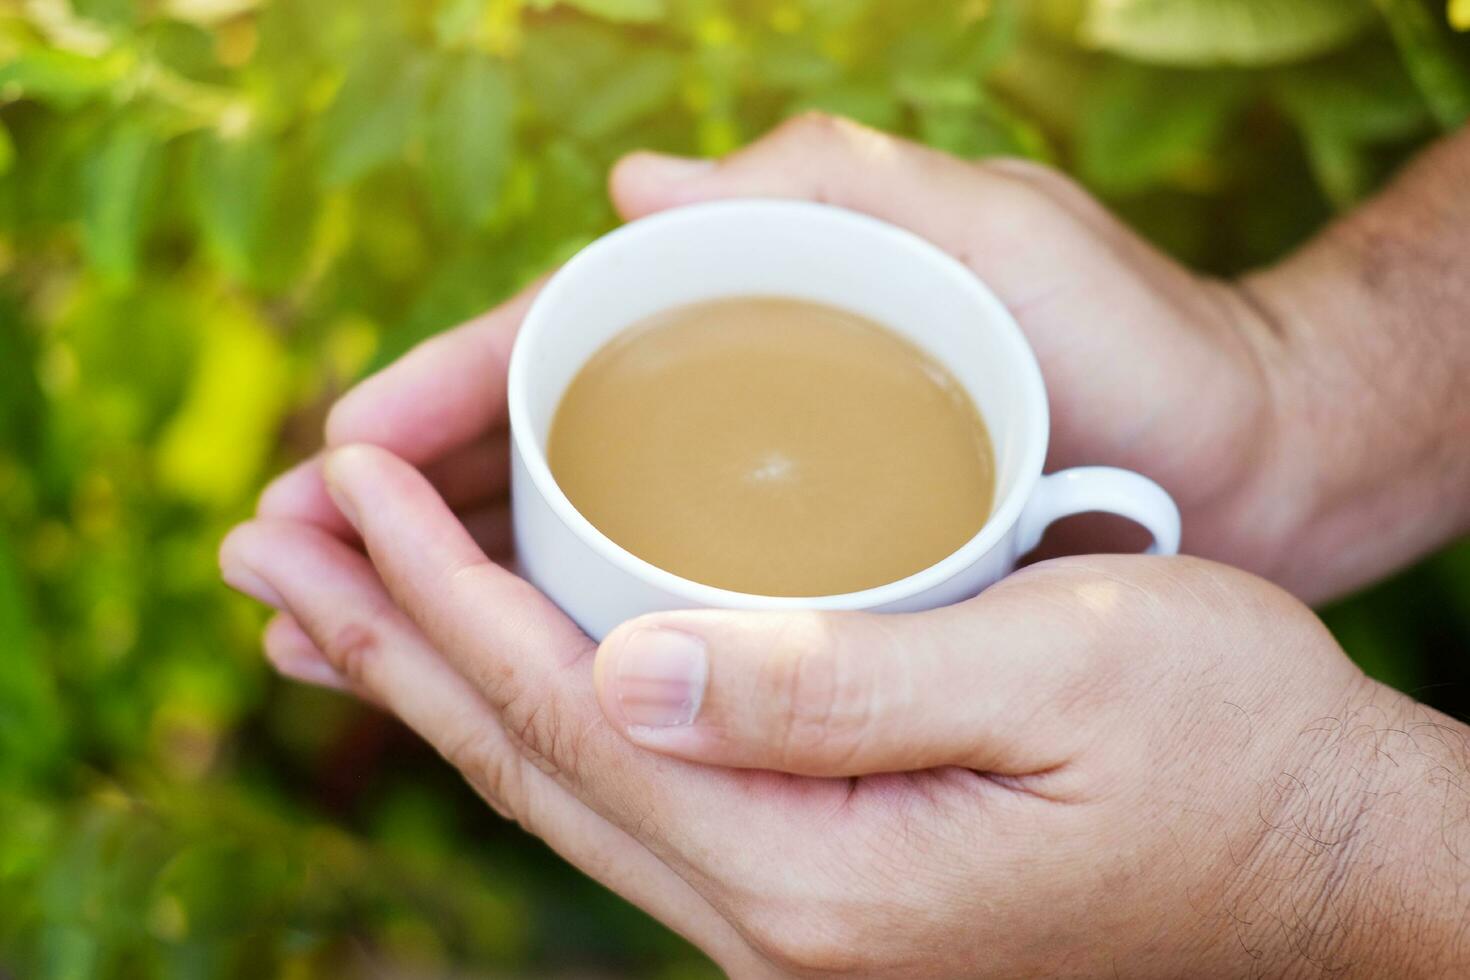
[1310,420]
[1103,766]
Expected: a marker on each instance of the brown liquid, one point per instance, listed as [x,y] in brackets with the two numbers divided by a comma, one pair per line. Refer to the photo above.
[773,446]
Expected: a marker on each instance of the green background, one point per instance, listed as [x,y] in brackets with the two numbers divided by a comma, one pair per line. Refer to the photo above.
[215,214]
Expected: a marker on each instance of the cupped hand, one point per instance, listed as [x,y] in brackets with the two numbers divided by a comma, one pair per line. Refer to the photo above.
[1148,366]
[1104,766]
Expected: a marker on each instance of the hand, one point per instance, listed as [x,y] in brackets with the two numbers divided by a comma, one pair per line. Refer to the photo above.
[1149,366]
[1105,766]
[1310,420]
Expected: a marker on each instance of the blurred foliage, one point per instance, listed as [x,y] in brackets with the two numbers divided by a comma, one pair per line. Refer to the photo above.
[214,214]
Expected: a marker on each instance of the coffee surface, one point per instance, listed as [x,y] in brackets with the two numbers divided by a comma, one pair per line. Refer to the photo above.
[773,446]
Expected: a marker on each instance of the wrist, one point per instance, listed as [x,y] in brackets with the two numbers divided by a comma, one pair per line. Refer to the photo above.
[1364,867]
[1360,863]
[1404,872]
[1369,411]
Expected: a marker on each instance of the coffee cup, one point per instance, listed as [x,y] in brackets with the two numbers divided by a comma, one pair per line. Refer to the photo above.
[822,254]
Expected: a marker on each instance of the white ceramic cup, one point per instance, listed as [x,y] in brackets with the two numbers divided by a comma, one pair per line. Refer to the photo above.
[813,252]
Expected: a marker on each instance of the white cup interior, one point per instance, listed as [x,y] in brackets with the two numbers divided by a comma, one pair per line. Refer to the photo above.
[791,249]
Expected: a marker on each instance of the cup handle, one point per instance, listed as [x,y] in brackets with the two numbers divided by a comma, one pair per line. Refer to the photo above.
[1093,489]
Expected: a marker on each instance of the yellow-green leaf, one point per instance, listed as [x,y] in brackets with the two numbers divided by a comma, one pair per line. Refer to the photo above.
[215,447]
[60,78]
[1221,32]
[1460,15]
[633,11]
[209,11]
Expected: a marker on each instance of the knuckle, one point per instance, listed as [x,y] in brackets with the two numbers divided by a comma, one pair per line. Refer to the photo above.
[1029,171]
[478,754]
[811,124]
[1037,188]
[815,129]
[354,650]
[816,693]
[547,738]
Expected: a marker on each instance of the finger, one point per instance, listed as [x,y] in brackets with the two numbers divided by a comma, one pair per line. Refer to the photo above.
[999,222]
[333,598]
[467,477]
[292,652]
[517,648]
[995,684]
[444,393]
[341,605]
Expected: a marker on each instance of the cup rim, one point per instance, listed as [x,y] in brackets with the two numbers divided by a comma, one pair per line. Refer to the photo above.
[1003,518]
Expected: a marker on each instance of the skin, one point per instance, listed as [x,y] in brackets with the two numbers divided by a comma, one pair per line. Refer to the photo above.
[1110,765]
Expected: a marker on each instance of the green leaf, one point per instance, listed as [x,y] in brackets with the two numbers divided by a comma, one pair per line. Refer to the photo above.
[59,78]
[1427,49]
[791,63]
[30,717]
[374,114]
[1367,97]
[455,21]
[469,138]
[585,78]
[997,37]
[22,405]
[118,190]
[933,90]
[231,183]
[987,129]
[637,89]
[1342,108]
[1341,165]
[1224,32]
[1061,18]
[630,11]
[1142,126]
[1051,81]
[287,235]
[7,149]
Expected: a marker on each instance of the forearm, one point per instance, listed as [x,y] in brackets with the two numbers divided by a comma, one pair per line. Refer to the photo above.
[1370,374]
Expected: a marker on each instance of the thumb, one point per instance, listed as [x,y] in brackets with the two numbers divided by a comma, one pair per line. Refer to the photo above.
[846,694]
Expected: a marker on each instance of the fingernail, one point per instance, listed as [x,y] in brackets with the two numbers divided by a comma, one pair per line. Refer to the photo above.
[659,678]
[332,468]
[667,167]
[245,580]
[280,494]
